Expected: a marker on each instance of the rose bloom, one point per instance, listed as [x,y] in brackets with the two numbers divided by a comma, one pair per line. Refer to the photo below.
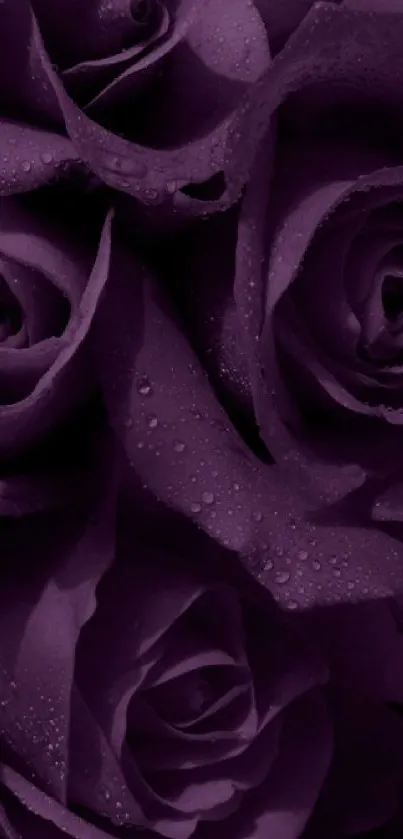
[110,76]
[180,700]
[201,570]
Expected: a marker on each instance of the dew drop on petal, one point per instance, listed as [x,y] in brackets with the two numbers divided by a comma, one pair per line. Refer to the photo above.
[208,497]
[179,446]
[282,577]
[152,421]
[257,515]
[144,386]
[47,157]
[195,507]
[26,166]
[125,165]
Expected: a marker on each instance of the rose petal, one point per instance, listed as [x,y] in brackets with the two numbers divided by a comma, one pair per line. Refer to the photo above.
[40,635]
[374,5]
[147,615]
[31,157]
[282,19]
[65,383]
[42,814]
[104,28]
[217,55]
[284,803]
[369,67]
[30,92]
[291,240]
[143,172]
[124,73]
[96,780]
[161,402]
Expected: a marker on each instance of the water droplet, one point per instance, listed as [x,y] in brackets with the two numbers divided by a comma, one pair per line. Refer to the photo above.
[179,446]
[303,555]
[208,497]
[257,515]
[129,422]
[47,157]
[26,166]
[195,507]
[316,565]
[125,165]
[282,577]
[143,386]
[152,421]
[292,604]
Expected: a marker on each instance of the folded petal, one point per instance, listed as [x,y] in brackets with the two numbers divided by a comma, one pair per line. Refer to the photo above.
[64,383]
[31,157]
[44,606]
[284,803]
[25,91]
[150,173]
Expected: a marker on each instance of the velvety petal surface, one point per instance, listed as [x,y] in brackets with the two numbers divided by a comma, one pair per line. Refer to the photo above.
[149,173]
[61,369]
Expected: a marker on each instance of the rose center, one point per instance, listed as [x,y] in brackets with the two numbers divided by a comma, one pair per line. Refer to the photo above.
[142,11]
[392,297]
[10,313]
[383,332]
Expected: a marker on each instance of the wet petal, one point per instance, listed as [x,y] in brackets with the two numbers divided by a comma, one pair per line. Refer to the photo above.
[42,814]
[162,402]
[41,632]
[96,780]
[142,171]
[369,66]
[31,157]
[30,92]
[179,441]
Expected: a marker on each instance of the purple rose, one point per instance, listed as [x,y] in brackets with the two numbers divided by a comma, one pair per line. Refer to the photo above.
[318,261]
[172,702]
[201,566]
[50,284]
[179,700]
[113,77]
